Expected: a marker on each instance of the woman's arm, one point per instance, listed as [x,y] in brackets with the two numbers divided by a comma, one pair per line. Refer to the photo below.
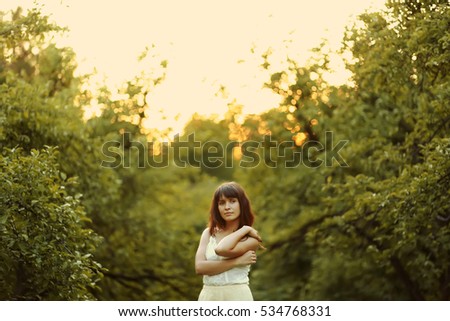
[237,243]
[205,267]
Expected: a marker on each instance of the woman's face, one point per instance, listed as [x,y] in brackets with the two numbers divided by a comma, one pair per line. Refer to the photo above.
[229,208]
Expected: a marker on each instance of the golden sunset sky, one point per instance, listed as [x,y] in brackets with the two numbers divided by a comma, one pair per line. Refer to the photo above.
[207,44]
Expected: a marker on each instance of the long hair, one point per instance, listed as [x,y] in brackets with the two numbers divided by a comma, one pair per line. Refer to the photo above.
[229,190]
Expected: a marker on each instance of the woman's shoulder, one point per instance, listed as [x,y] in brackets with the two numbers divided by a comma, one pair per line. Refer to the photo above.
[206,232]
[205,237]
[214,232]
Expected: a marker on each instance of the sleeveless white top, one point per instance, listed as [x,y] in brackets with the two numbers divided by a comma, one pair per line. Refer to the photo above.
[236,275]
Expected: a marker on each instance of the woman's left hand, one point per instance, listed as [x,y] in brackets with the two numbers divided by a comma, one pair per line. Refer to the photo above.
[254,233]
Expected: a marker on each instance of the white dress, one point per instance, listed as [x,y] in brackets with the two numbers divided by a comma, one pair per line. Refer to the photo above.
[231,285]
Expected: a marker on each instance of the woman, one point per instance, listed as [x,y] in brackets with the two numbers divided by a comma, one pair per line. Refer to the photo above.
[227,247]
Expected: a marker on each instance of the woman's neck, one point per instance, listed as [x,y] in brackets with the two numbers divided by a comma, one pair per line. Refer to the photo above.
[230,227]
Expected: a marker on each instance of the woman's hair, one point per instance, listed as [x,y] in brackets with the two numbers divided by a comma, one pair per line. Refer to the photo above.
[230,190]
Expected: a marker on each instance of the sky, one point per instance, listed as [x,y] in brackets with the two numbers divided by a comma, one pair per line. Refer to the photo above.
[207,44]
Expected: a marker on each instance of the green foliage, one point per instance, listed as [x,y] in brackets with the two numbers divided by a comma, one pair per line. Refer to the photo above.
[48,248]
[377,229]
[213,152]
[46,253]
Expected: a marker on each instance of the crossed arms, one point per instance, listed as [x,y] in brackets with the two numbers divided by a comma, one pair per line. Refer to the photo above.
[239,247]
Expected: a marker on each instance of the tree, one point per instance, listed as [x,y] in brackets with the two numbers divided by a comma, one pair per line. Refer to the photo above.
[46,251]
[372,230]
[45,216]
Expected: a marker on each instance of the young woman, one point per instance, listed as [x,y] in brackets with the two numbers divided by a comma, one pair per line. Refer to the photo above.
[227,247]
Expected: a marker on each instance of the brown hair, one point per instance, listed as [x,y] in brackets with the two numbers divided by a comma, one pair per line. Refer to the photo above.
[230,189]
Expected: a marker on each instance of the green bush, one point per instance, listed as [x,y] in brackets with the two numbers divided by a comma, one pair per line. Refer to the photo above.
[46,254]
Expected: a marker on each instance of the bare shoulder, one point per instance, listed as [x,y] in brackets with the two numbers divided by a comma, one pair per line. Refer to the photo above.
[206,232]
[204,239]
[205,235]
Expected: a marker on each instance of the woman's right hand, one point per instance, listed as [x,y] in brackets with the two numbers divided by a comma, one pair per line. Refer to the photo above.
[247,258]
